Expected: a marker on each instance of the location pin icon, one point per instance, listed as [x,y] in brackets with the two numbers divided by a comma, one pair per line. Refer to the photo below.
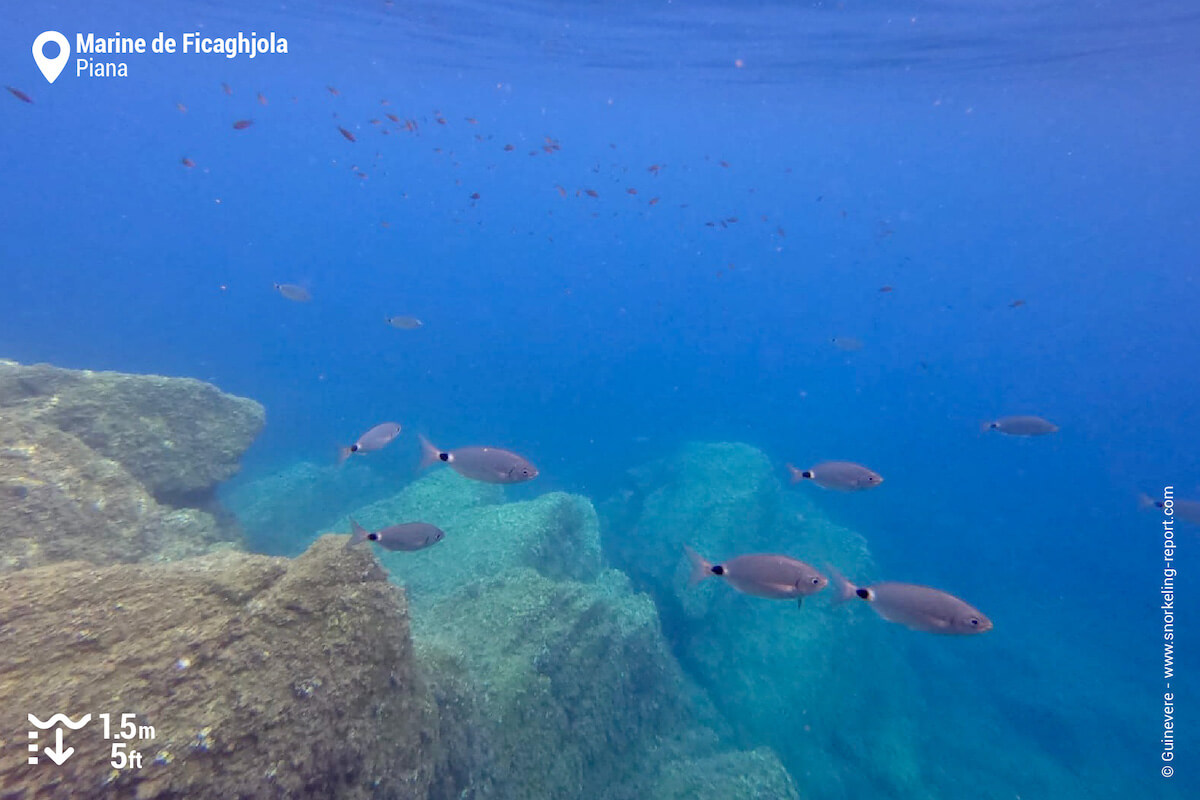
[51,67]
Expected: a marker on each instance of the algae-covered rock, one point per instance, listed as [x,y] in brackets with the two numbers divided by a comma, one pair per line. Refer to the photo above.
[771,667]
[544,722]
[278,508]
[571,685]
[752,775]
[179,437]
[552,675]
[711,496]
[262,677]
[439,495]
[60,500]
[557,534]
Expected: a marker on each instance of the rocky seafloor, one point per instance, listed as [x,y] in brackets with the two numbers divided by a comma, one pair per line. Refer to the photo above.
[542,650]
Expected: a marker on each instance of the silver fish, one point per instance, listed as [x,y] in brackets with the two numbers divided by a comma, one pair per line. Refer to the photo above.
[487,464]
[293,292]
[404,323]
[1186,510]
[408,536]
[1020,426]
[842,476]
[917,607]
[377,438]
[762,575]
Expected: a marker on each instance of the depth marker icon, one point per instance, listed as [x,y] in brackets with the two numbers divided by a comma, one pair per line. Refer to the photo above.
[56,754]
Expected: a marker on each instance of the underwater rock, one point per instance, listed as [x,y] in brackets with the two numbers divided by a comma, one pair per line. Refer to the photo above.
[262,677]
[791,678]
[60,501]
[551,674]
[178,436]
[722,499]
[753,775]
[568,690]
[557,534]
[439,494]
[567,670]
[277,508]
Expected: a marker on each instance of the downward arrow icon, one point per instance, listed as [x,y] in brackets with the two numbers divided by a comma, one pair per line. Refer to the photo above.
[57,754]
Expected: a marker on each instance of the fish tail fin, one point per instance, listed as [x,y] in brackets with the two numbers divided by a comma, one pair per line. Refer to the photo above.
[358,534]
[1145,501]
[701,569]
[430,455]
[845,589]
[797,474]
[986,425]
[343,454]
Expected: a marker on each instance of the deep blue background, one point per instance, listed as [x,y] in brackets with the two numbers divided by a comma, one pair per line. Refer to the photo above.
[1035,152]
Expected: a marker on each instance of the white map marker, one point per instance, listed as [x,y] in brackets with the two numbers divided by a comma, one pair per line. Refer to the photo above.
[51,67]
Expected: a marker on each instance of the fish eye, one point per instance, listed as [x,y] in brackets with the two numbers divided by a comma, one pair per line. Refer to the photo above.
[974,621]
[816,581]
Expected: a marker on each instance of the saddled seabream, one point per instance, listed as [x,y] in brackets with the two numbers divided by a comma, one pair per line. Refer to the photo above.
[486,464]
[768,575]
[405,536]
[842,476]
[377,438]
[920,608]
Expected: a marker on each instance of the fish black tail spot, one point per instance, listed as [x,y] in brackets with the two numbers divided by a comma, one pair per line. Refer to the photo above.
[373,536]
[865,594]
[807,474]
[717,569]
[444,456]
[354,448]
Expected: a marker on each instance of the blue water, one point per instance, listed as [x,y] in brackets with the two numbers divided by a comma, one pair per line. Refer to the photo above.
[967,157]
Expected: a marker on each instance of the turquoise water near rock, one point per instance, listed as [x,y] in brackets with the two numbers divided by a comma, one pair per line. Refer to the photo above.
[662,250]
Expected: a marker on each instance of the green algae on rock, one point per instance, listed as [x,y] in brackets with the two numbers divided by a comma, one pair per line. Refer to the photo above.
[741,775]
[179,437]
[556,534]
[262,677]
[551,674]
[277,508]
[766,661]
[569,691]
[714,497]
